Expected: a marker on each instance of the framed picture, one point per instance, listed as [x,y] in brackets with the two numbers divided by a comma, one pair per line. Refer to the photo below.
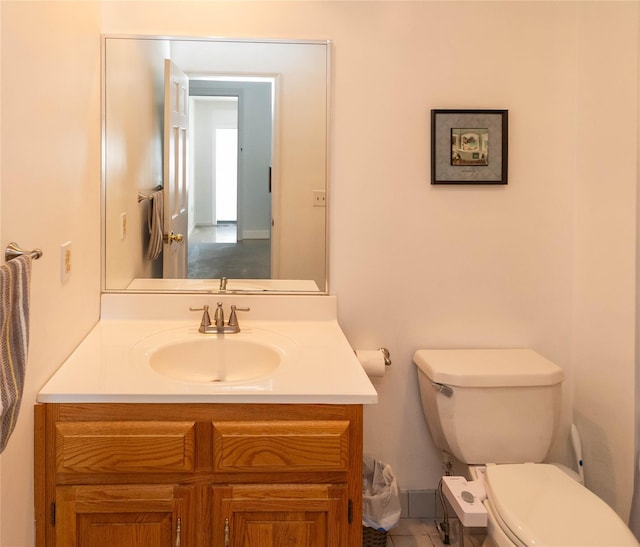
[469,146]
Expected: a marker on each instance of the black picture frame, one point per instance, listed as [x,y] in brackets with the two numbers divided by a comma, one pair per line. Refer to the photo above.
[469,146]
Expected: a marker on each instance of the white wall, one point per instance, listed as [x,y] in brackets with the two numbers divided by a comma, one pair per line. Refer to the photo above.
[133,138]
[494,266]
[547,261]
[454,266]
[50,193]
[605,227]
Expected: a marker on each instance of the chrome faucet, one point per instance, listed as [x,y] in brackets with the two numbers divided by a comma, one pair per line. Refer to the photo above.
[218,317]
[218,326]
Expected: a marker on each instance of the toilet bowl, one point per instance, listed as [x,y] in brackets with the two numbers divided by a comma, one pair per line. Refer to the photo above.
[493,413]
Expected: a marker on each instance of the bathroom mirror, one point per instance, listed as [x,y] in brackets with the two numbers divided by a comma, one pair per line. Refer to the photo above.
[236,188]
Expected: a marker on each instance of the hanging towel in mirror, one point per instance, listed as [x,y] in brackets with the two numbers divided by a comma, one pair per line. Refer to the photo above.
[155,223]
[15,277]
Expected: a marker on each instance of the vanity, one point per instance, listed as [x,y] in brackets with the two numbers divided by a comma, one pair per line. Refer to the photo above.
[153,433]
[131,455]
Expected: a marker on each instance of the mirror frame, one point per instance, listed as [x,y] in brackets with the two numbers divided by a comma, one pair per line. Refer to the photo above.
[103,158]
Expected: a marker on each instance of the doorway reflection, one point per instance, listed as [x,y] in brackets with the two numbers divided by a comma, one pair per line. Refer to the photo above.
[231,159]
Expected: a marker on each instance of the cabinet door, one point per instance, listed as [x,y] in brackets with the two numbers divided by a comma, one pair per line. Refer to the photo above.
[280,516]
[122,516]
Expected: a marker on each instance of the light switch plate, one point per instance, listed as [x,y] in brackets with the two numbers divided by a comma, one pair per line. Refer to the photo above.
[123,225]
[65,261]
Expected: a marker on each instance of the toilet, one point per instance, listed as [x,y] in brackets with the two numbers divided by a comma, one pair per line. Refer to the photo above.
[493,413]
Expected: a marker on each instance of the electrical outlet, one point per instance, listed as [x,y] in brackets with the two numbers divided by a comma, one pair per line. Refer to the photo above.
[65,261]
[318,198]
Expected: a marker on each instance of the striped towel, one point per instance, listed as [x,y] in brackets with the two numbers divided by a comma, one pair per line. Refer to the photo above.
[155,224]
[14,340]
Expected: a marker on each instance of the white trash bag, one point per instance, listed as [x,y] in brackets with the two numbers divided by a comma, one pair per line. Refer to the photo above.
[380,495]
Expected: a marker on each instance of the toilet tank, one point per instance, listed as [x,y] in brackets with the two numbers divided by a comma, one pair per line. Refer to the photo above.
[490,405]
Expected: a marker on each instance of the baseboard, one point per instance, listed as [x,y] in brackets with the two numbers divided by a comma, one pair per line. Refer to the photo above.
[256,234]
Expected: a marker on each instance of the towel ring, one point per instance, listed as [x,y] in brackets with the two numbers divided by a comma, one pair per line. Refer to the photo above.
[14,250]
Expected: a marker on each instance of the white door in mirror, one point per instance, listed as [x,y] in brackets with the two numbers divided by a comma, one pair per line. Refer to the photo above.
[176,115]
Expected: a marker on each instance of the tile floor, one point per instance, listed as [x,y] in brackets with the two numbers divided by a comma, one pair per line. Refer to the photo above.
[412,532]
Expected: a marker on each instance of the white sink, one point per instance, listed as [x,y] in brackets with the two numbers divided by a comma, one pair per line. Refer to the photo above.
[186,355]
[215,359]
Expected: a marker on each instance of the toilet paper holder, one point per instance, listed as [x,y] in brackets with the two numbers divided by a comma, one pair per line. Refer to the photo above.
[386,355]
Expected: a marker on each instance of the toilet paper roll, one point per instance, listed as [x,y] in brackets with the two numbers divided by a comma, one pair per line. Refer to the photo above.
[372,362]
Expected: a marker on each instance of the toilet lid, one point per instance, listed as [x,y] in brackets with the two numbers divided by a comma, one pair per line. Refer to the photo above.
[541,505]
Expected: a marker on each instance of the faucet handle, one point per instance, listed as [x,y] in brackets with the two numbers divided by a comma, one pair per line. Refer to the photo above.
[233,318]
[206,319]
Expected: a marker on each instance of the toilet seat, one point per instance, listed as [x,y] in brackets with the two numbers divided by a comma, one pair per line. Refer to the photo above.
[539,505]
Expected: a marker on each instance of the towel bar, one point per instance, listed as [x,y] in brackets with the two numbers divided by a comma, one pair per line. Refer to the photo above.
[142,197]
[14,250]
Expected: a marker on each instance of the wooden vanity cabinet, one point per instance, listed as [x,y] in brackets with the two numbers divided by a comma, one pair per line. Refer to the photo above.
[121,515]
[182,475]
[269,515]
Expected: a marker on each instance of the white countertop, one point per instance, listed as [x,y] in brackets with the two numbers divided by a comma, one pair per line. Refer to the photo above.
[106,367]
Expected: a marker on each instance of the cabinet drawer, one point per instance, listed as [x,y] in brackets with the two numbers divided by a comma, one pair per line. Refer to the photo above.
[125,447]
[281,446]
